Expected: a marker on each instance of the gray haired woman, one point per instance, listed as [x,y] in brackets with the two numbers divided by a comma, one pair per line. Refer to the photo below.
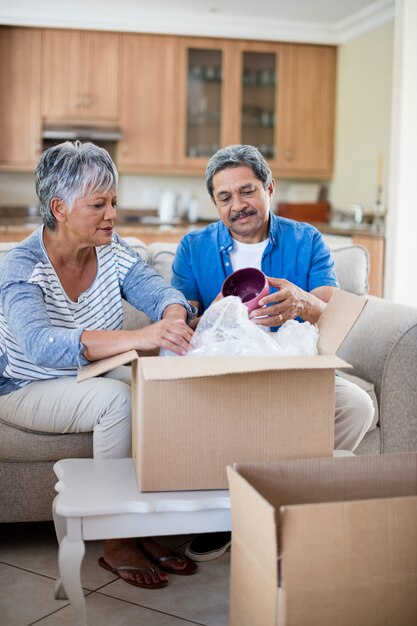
[61,293]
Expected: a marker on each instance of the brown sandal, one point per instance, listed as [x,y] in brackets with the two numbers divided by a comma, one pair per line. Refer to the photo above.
[133,568]
[190,567]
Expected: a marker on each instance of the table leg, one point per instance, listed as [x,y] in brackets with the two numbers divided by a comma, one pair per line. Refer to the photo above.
[60,524]
[69,560]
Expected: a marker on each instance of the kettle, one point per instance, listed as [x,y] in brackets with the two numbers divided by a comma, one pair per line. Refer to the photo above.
[167,205]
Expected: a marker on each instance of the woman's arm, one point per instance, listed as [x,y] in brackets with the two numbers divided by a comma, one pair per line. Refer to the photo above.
[171,333]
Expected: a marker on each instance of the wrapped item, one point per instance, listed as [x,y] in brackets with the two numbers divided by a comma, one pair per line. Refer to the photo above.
[225,329]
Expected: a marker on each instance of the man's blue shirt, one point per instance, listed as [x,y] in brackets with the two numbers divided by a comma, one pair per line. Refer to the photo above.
[296,251]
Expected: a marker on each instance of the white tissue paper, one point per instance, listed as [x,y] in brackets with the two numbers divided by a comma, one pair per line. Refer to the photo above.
[225,329]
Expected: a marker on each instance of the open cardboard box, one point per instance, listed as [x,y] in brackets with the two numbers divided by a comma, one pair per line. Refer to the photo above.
[191,417]
[345,532]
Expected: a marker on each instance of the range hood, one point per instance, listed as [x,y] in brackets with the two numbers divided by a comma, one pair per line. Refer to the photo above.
[71,132]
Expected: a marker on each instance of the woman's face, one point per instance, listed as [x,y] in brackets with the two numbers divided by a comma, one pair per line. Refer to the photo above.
[91,220]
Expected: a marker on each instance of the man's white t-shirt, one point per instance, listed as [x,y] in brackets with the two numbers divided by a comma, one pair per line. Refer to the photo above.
[247,254]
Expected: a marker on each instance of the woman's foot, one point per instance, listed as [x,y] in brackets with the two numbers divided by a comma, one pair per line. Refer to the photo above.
[164,559]
[120,555]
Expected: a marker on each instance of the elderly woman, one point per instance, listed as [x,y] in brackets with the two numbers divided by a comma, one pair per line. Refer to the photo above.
[61,308]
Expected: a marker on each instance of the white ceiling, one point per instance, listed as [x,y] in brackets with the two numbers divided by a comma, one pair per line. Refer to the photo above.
[317,21]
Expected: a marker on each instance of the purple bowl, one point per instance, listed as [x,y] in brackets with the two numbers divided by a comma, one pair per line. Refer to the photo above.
[249,284]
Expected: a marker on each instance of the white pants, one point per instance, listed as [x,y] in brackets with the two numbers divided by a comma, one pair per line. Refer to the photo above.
[354,411]
[103,406]
[61,405]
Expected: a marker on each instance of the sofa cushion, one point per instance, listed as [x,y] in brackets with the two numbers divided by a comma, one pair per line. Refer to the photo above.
[160,257]
[138,246]
[351,264]
[369,388]
[24,445]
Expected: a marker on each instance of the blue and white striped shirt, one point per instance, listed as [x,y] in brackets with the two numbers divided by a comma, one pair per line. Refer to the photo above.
[40,327]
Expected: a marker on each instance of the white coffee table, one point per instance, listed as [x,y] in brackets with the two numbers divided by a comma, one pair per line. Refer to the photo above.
[99,499]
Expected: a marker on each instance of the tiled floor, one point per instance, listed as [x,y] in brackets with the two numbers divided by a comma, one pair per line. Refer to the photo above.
[28,570]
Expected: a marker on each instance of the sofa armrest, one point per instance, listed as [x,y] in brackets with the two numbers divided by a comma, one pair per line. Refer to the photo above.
[382,347]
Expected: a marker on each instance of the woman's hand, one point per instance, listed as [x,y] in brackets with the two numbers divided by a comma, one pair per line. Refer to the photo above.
[170,334]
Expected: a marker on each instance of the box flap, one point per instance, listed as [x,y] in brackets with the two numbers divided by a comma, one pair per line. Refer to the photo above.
[350,562]
[175,368]
[310,480]
[254,570]
[337,320]
[105,365]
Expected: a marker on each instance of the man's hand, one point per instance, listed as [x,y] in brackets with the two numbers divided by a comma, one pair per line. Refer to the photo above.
[290,302]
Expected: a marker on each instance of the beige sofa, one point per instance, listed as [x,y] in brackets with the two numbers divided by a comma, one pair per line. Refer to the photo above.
[382,347]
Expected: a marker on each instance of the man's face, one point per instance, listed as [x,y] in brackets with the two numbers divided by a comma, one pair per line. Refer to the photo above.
[243,203]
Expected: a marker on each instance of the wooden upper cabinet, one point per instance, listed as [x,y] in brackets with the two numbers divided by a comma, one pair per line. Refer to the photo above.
[176,99]
[277,97]
[207,99]
[20,83]
[149,111]
[260,87]
[80,76]
[306,111]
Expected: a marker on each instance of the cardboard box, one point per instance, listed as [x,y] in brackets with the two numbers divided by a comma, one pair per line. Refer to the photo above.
[194,416]
[319,542]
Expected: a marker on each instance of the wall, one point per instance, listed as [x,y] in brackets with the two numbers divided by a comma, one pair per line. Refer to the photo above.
[401,255]
[363,118]
[135,191]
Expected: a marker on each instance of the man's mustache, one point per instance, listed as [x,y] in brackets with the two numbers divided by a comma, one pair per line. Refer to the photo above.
[236,215]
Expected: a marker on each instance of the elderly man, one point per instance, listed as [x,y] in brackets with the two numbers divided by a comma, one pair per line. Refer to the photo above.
[296,260]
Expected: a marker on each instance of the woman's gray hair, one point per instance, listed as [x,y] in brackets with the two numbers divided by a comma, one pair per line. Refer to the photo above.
[235,156]
[70,171]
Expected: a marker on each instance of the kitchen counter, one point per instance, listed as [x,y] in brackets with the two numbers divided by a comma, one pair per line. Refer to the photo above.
[21,221]
[16,223]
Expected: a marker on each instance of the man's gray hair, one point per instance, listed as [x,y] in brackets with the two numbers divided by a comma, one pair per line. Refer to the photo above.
[235,156]
[70,171]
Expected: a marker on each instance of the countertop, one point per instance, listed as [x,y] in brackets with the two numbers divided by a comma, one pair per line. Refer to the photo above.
[18,219]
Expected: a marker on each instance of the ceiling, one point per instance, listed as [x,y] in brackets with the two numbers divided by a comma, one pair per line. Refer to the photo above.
[317,21]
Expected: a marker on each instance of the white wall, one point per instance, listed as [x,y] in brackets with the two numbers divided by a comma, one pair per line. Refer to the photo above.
[363,118]
[401,235]
[17,189]
[135,191]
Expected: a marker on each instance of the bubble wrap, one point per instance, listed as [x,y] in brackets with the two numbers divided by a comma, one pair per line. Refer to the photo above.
[225,329]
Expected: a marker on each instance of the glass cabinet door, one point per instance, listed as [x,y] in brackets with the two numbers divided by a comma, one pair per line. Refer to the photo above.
[258,119]
[204,87]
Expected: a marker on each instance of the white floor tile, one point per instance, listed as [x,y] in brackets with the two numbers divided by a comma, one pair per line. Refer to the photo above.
[28,569]
[25,597]
[202,597]
[106,611]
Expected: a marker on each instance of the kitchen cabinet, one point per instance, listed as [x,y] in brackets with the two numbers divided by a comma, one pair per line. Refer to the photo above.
[207,100]
[228,94]
[279,97]
[149,106]
[80,78]
[20,85]
[306,111]
[176,99]
[375,244]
